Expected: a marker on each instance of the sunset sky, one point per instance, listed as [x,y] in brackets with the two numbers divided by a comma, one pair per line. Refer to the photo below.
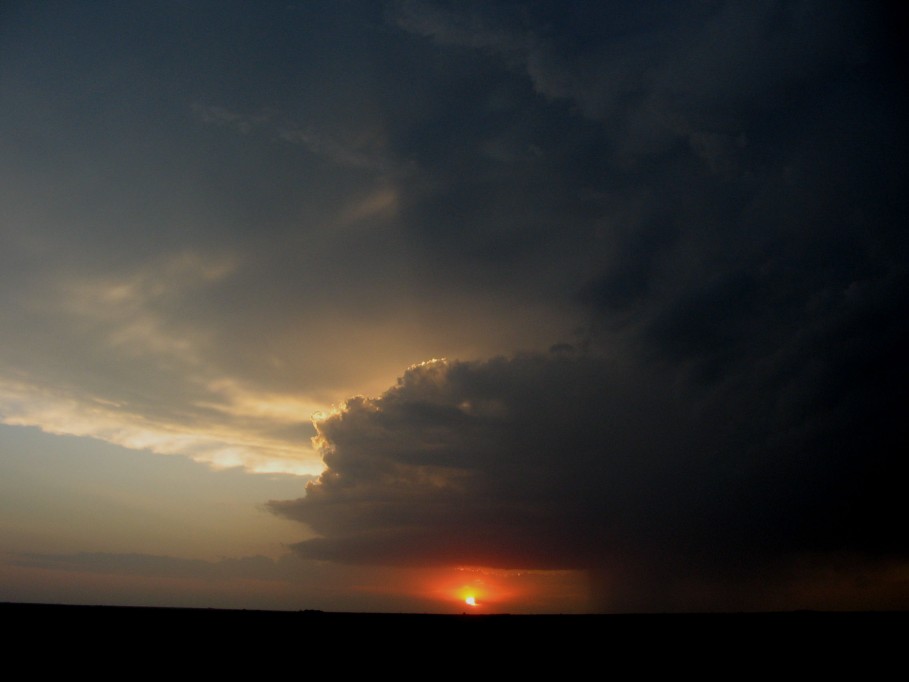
[361,305]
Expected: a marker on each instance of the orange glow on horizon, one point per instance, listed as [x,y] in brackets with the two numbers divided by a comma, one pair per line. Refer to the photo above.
[481,590]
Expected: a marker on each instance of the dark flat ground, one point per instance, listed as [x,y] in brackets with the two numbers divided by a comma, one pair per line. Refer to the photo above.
[803,641]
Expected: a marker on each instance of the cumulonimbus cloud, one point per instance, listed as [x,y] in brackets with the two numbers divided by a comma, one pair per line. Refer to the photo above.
[561,460]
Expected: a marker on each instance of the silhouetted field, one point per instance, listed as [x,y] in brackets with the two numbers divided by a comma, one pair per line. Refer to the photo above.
[762,639]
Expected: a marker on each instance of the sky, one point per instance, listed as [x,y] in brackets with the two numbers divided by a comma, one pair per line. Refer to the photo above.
[378,306]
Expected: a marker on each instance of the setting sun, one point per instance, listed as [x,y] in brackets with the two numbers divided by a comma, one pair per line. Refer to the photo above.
[471,601]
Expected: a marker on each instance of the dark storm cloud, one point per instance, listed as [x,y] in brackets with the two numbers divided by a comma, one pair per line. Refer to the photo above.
[602,137]
[569,461]
[744,170]
[505,463]
[558,461]
[725,195]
